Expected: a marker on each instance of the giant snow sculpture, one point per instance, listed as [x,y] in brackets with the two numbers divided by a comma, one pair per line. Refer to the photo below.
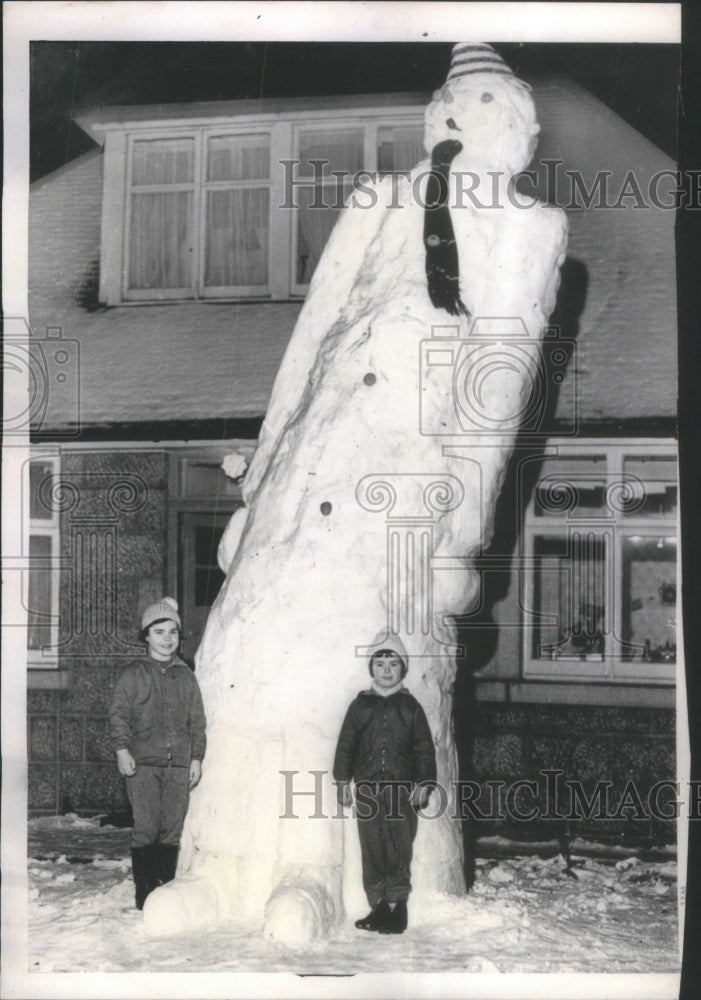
[372,487]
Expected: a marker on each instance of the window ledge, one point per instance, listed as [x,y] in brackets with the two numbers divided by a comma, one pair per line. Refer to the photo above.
[294,298]
[48,680]
[550,692]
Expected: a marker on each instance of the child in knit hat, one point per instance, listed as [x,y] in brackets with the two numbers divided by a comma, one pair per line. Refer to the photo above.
[385,746]
[157,726]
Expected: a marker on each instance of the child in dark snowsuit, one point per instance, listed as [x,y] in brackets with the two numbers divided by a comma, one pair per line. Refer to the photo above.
[385,746]
[158,733]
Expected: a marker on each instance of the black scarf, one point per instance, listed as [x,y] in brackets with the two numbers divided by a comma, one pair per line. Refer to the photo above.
[442,267]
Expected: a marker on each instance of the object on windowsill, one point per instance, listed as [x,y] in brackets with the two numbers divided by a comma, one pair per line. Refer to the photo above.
[666,653]
[587,644]
[571,654]
[668,593]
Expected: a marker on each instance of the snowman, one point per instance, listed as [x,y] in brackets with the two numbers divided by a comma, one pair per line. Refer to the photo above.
[372,488]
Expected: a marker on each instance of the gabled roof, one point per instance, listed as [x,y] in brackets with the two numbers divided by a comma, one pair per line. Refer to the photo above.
[627,336]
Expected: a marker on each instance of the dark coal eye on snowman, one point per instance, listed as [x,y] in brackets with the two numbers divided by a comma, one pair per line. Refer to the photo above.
[487,97]
[450,122]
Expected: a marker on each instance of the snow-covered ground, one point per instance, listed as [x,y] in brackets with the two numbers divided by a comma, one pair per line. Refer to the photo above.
[615,913]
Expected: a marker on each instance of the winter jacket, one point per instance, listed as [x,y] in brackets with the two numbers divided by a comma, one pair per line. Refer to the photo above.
[158,716]
[385,739]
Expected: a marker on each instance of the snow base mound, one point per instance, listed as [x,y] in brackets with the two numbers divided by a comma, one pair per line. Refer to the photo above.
[180,906]
[296,915]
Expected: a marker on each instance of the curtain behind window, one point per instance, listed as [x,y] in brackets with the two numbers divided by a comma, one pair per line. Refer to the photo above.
[160,240]
[237,216]
[237,237]
[238,157]
[399,147]
[39,597]
[160,237]
[340,150]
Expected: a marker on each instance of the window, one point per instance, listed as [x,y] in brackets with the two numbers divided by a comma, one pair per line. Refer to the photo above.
[238,210]
[198,216]
[41,585]
[330,159]
[599,576]
[200,575]
[203,498]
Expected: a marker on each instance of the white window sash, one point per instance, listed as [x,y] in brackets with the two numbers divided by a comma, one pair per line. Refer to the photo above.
[283,130]
[612,667]
[371,131]
[157,293]
[225,290]
[46,657]
[199,188]
[327,192]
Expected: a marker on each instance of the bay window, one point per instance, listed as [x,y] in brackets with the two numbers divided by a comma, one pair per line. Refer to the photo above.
[600,558]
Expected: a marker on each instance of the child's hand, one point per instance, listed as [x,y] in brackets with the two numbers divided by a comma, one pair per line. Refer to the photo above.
[344,795]
[126,765]
[195,773]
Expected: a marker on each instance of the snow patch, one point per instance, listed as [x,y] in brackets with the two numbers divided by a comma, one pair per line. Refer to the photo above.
[90,924]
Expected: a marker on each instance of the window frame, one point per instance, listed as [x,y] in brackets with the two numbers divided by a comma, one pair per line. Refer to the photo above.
[199,186]
[611,668]
[371,133]
[284,130]
[184,500]
[49,527]
[229,291]
[331,185]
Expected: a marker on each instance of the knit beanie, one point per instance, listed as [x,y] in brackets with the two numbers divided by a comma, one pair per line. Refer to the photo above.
[387,640]
[166,608]
[476,57]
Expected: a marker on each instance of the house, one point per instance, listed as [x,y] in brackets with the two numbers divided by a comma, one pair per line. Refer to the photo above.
[166,271]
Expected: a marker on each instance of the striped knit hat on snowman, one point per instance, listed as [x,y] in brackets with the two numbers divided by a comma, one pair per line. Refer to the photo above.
[468,58]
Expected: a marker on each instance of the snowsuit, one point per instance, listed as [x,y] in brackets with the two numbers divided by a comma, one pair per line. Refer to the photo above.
[157,714]
[385,745]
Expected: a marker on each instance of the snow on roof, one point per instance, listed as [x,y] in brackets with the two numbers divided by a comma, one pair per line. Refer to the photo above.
[626,337]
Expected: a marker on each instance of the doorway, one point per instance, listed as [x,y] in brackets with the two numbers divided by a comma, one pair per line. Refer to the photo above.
[201,578]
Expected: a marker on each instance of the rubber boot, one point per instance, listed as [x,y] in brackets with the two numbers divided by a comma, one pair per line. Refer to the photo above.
[167,862]
[375,918]
[140,857]
[396,922]
[153,867]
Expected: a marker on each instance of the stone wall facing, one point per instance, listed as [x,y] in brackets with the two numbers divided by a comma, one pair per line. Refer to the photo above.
[113,537]
[629,750]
